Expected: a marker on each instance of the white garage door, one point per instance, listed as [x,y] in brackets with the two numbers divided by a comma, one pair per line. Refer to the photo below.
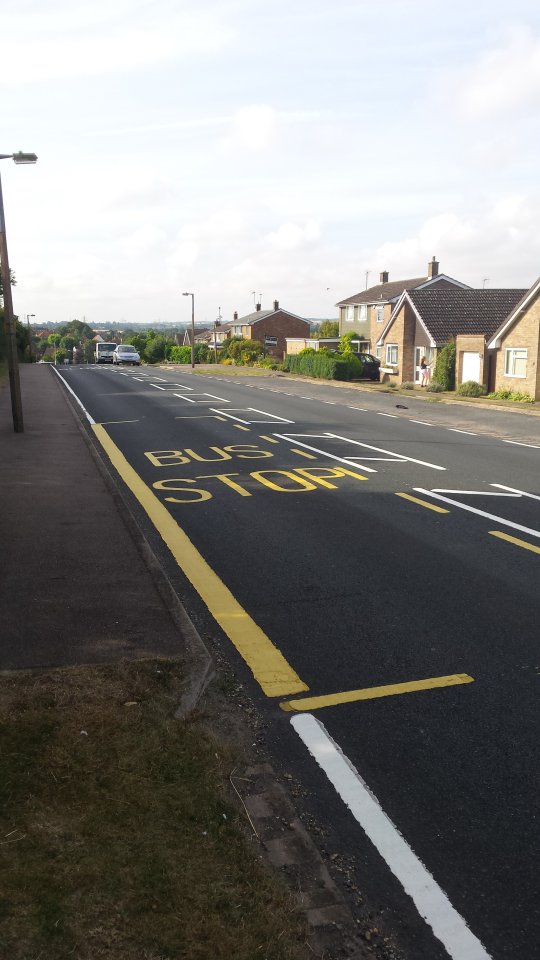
[471,367]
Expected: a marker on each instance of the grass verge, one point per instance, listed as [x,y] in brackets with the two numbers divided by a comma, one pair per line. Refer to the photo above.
[118,833]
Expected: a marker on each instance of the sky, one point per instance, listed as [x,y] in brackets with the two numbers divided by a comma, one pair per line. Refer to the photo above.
[254,150]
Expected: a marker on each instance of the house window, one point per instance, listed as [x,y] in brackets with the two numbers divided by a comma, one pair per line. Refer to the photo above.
[349,314]
[362,312]
[391,353]
[379,314]
[378,353]
[515,362]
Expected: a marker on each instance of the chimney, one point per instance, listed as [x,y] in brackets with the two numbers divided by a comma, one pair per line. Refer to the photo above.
[258,306]
[235,315]
[432,268]
[276,304]
[384,276]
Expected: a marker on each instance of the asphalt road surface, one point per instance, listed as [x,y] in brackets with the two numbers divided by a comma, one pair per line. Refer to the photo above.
[371,564]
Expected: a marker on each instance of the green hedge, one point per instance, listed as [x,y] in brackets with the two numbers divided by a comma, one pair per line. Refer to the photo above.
[324,366]
[471,388]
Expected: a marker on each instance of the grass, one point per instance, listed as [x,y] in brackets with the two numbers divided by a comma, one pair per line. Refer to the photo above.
[121,838]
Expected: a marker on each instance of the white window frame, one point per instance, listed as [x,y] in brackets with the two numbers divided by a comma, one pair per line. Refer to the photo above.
[379,313]
[391,351]
[362,311]
[511,354]
[349,313]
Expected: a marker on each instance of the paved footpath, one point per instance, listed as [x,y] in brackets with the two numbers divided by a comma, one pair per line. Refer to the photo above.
[74,587]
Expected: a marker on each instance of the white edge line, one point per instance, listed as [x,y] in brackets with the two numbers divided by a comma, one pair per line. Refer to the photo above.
[394,416]
[73,394]
[521,493]
[362,409]
[424,423]
[517,443]
[430,900]
[480,513]
[466,432]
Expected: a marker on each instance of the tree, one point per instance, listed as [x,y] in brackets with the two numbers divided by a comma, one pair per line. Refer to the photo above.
[13,283]
[345,345]
[445,366]
[156,349]
[328,328]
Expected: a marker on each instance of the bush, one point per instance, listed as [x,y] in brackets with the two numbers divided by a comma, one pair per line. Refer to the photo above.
[511,395]
[408,385]
[445,367]
[471,388]
[179,354]
[435,388]
[324,365]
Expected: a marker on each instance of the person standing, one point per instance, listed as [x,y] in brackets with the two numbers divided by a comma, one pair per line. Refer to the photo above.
[424,372]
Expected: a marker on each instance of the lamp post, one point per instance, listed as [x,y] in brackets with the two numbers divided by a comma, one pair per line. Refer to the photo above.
[9,319]
[192,295]
[217,323]
[28,315]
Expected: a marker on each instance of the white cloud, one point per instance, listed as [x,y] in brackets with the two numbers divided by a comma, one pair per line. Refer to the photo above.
[291,236]
[253,128]
[504,80]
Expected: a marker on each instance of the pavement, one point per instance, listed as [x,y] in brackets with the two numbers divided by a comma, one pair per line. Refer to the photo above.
[78,585]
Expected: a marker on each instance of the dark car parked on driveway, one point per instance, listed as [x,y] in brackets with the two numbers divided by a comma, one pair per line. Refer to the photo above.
[371,366]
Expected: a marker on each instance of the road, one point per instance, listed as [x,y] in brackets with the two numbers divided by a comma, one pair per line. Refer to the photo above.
[386,624]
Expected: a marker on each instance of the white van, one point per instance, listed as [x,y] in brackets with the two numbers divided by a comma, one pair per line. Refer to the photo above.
[104,352]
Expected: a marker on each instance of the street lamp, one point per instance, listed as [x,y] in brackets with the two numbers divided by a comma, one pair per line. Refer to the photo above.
[192,295]
[28,315]
[217,323]
[9,320]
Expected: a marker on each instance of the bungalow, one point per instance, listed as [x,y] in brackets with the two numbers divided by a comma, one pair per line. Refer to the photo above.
[517,342]
[270,327]
[426,318]
[367,312]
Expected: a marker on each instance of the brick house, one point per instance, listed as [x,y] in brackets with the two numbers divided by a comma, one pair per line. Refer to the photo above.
[368,312]
[426,318]
[517,346]
[271,328]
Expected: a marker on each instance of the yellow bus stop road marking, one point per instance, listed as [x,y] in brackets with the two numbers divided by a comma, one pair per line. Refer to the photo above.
[269,667]
[373,693]
[422,503]
[518,543]
[302,453]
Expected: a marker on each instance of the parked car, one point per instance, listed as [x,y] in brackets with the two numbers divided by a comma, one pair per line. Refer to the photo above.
[126,353]
[371,366]
[104,352]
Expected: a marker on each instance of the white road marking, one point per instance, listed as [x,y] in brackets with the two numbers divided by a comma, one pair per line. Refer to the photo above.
[362,409]
[331,456]
[521,493]
[391,453]
[393,415]
[73,394]
[209,395]
[423,423]
[478,493]
[480,513]
[517,443]
[466,432]
[431,902]
[273,417]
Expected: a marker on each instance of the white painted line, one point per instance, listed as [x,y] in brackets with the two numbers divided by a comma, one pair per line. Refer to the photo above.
[517,443]
[274,417]
[466,432]
[522,493]
[480,513]
[306,398]
[163,379]
[393,415]
[332,403]
[330,456]
[157,386]
[139,378]
[73,394]
[391,453]
[477,493]
[363,409]
[431,902]
[210,396]
[423,423]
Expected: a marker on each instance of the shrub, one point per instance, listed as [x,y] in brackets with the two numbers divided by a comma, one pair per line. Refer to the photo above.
[435,387]
[471,388]
[179,354]
[445,367]
[408,385]
[323,364]
[511,395]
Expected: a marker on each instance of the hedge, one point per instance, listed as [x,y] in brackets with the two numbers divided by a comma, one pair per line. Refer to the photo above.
[325,366]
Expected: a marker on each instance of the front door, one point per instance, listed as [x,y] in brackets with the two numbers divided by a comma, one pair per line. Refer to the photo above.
[419,352]
[471,367]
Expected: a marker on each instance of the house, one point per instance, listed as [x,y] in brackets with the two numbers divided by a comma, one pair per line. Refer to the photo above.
[271,328]
[426,318]
[297,344]
[366,313]
[516,343]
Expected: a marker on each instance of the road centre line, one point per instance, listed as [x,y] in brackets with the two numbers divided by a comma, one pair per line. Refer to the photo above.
[374,693]
[480,513]
[394,416]
[422,503]
[522,493]
[515,541]
[430,900]
[275,676]
[362,409]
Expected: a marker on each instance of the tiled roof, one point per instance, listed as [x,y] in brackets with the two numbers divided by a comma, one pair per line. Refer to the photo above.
[447,312]
[383,291]
[256,315]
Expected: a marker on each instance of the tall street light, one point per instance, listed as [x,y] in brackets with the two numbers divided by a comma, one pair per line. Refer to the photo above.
[192,295]
[217,323]
[9,319]
[28,315]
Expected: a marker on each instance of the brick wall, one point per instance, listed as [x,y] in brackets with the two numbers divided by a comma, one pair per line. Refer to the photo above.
[281,325]
[401,332]
[524,334]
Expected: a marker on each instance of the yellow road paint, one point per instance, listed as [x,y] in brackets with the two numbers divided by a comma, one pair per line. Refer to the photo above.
[269,667]
[268,439]
[240,427]
[514,540]
[302,453]
[373,693]
[422,503]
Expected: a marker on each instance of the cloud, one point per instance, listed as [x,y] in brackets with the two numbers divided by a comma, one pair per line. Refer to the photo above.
[504,80]
[291,236]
